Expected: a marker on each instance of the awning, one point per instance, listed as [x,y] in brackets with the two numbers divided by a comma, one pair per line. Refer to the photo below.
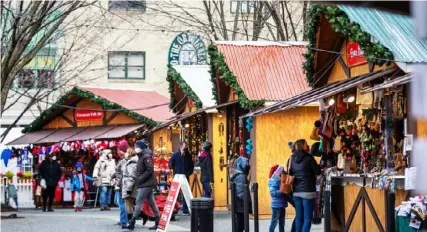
[73,134]
[320,93]
[32,137]
[183,116]
[91,132]
[119,131]
[390,83]
[60,135]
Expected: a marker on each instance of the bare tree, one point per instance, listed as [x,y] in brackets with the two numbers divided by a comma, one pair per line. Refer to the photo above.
[65,25]
[230,20]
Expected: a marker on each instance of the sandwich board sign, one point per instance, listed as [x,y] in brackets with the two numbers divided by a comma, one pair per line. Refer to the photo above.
[179,183]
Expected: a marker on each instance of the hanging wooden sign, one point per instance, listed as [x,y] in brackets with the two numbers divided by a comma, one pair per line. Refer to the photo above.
[88,115]
[355,55]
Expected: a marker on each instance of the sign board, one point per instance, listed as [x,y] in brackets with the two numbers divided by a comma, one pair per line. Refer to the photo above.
[355,55]
[179,183]
[187,49]
[88,115]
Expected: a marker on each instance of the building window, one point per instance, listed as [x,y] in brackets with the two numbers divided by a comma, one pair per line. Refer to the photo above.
[127,5]
[39,73]
[245,7]
[126,65]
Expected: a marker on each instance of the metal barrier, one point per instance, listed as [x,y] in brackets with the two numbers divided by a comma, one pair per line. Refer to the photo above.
[246,199]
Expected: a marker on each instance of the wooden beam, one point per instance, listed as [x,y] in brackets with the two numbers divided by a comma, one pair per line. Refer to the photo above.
[344,67]
[371,67]
[69,121]
[111,117]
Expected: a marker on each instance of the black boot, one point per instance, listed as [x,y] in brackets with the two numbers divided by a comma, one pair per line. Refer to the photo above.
[130,225]
[144,219]
[129,217]
[156,224]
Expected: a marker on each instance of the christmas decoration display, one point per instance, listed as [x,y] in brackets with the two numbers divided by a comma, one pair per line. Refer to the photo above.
[175,77]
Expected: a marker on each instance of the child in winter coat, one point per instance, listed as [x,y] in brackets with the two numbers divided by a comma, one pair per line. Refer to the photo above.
[78,186]
[278,199]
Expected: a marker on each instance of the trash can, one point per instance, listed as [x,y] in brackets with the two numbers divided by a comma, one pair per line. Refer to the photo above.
[202,214]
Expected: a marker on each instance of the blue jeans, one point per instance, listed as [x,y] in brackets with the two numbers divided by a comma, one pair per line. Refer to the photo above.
[278,216]
[207,189]
[105,196]
[304,214]
[122,207]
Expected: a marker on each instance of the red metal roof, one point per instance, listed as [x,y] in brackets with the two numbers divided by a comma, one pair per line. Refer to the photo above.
[137,101]
[268,71]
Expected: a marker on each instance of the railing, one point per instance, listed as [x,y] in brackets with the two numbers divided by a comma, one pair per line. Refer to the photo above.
[24,189]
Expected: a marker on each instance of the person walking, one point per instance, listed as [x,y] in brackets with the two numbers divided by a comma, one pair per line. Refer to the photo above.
[129,188]
[146,181]
[103,174]
[278,199]
[240,179]
[117,183]
[181,162]
[50,172]
[206,166]
[304,168]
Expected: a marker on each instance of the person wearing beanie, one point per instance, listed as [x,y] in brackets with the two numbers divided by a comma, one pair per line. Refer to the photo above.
[102,175]
[79,186]
[206,166]
[240,180]
[118,182]
[278,202]
[145,181]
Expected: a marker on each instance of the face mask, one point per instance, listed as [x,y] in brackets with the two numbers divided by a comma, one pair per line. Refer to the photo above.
[79,170]
[54,158]
[138,150]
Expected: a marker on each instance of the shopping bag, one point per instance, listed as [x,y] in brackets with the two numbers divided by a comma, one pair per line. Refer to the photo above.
[43,183]
[12,203]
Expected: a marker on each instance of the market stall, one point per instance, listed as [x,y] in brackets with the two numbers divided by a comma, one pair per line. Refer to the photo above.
[85,121]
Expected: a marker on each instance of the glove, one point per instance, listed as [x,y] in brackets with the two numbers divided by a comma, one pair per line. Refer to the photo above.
[129,192]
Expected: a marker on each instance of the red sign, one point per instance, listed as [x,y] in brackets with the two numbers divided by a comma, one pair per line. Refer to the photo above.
[355,55]
[88,115]
[169,206]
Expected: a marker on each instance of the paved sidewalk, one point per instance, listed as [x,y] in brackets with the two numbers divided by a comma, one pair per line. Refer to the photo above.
[93,220]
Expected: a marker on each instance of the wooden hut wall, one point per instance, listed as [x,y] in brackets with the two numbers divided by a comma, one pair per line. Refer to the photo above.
[338,73]
[422,128]
[61,120]
[273,131]
[220,176]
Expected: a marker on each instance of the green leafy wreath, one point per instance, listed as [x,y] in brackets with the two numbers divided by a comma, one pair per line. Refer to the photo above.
[37,124]
[375,53]
[174,76]
[218,62]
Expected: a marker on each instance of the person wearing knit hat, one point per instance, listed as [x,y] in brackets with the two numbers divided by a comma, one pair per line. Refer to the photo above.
[79,186]
[145,181]
[278,202]
[123,146]
[206,167]
[102,175]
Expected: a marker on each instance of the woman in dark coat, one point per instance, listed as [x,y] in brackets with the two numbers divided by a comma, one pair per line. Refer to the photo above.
[240,179]
[206,167]
[304,168]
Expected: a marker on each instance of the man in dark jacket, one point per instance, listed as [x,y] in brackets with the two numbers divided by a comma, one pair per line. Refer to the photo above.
[205,160]
[51,172]
[181,162]
[146,181]
[240,179]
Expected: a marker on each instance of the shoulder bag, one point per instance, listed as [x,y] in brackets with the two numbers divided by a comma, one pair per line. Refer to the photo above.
[287,180]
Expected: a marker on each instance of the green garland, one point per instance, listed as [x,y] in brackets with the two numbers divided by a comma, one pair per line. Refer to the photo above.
[217,60]
[174,76]
[212,51]
[37,124]
[375,53]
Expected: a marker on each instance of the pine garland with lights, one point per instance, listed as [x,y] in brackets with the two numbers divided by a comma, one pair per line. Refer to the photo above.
[375,53]
[37,124]
[217,60]
[174,76]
